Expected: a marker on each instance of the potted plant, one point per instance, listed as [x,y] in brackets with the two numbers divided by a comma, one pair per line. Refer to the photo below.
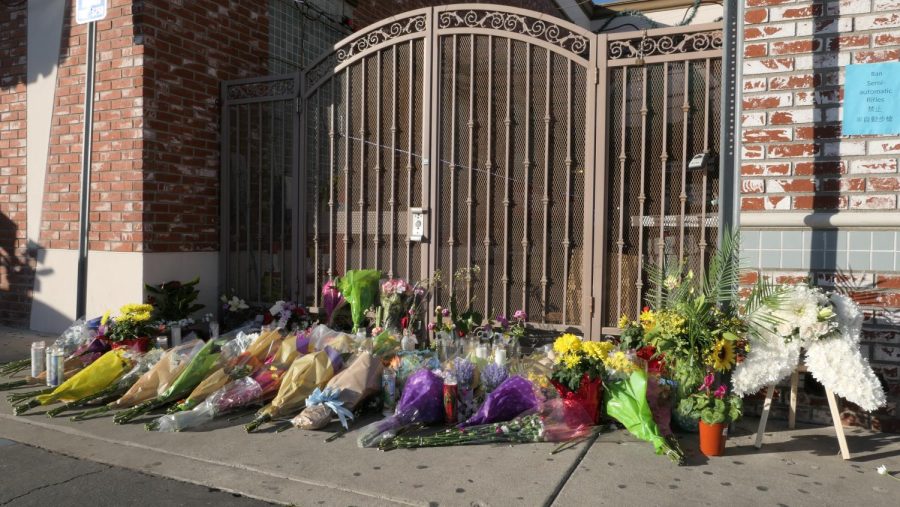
[716,409]
[132,328]
[578,372]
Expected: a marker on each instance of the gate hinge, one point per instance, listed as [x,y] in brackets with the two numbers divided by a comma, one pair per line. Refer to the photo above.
[596,75]
[299,105]
[593,300]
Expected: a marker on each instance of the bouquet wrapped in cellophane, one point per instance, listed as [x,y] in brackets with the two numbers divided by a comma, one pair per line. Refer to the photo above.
[204,362]
[75,336]
[554,422]
[71,366]
[95,377]
[513,397]
[144,363]
[236,394]
[626,402]
[154,382]
[305,375]
[241,356]
[422,402]
[342,394]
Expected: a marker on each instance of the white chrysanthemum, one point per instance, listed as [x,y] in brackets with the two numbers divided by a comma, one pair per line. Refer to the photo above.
[768,362]
[832,349]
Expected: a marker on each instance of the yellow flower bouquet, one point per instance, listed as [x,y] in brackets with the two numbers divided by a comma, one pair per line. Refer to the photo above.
[578,371]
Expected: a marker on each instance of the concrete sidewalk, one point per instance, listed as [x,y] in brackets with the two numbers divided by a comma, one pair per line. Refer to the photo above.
[797,467]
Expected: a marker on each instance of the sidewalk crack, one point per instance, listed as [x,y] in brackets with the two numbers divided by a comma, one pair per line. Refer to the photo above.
[45,486]
[565,478]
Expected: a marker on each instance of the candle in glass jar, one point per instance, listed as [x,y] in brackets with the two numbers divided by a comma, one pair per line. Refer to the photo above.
[481,352]
[500,356]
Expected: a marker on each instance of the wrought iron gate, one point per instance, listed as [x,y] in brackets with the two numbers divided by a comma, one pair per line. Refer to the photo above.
[553,158]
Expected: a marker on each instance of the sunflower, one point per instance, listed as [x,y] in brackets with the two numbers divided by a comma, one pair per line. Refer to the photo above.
[721,356]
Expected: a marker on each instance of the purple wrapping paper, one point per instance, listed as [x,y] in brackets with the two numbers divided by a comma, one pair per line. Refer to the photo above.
[91,351]
[509,400]
[422,399]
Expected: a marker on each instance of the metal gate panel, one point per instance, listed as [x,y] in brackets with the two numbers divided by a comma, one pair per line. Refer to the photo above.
[661,108]
[514,91]
[364,121]
[259,166]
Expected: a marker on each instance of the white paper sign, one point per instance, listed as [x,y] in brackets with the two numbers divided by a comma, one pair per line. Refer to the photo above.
[87,11]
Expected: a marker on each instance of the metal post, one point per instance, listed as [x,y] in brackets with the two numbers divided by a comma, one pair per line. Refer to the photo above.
[86,147]
[728,180]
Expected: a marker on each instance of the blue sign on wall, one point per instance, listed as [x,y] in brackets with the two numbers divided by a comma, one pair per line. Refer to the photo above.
[872,99]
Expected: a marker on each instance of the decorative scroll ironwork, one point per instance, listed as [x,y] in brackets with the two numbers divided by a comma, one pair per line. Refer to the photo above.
[642,47]
[263,89]
[319,70]
[380,35]
[538,28]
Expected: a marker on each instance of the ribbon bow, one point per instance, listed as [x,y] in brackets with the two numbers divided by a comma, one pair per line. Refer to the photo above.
[330,397]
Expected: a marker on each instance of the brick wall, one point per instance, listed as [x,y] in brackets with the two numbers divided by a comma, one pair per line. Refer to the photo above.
[366,12]
[189,48]
[15,266]
[795,161]
[116,180]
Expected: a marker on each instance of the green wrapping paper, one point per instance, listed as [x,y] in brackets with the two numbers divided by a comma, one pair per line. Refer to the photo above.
[626,402]
[360,288]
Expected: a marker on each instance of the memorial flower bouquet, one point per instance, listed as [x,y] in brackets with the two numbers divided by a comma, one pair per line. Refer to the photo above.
[578,371]
[554,422]
[360,290]
[626,401]
[132,327]
[200,366]
[305,374]
[828,327]
[94,378]
[422,401]
[76,335]
[152,383]
[395,293]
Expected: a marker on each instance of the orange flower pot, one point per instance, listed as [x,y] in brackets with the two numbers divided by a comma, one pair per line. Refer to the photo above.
[712,438]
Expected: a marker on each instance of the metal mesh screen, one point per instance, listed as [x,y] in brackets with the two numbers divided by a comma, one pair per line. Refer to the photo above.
[260,177]
[511,177]
[660,116]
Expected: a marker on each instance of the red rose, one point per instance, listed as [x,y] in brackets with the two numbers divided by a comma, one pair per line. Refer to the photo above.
[267,318]
[404,323]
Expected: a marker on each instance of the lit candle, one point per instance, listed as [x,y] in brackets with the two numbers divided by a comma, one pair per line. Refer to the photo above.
[500,357]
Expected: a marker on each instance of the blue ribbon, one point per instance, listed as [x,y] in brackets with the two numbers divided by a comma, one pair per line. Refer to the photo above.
[330,397]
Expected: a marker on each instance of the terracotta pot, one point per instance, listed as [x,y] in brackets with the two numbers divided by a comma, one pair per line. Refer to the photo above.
[588,396]
[137,344]
[712,438]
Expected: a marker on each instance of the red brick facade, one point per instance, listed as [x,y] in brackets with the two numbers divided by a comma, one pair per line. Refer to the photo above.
[189,49]
[15,267]
[116,180]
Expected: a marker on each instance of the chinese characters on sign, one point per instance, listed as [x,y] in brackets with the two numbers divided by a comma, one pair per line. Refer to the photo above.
[872,99]
[87,11]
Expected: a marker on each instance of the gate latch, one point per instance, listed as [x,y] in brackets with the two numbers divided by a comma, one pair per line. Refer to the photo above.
[417,223]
